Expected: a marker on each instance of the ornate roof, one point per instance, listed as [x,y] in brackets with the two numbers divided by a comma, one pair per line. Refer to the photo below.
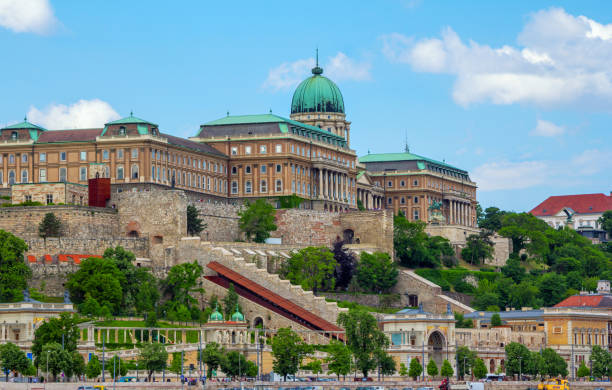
[130,119]
[216,315]
[581,204]
[317,94]
[237,316]
[23,125]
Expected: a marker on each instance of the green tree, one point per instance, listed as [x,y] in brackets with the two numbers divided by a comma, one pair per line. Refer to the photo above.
[312,268]
[461,322]
[491,219]
[415,369]
[403,371]
[55,359]
[411,244]
[99,279]
[288,351]
[14,273]
[602,362]
[90,307]
[182,281]
[12,358]
[230,302]
[513,269]
[478,248]
[194,223]
[50,226]
[376,272]
[496,320]
[175,365]
[552,288]
[480,370]
[347,264]
[54,330]
[338,358]
[94,368]
[116,367]
[386,363]
[605,221]
[257,220]
[517,358]
[212,356]
[153,357]
[360,205]
[314,366]
[554,364]
[447,369]
[78,364]
[235,364]
[583,370]
[523,229]
[432,368]
[363,338]
[465,360]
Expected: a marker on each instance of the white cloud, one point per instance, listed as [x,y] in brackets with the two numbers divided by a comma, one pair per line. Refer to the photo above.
[562,59]
[35,16]
[340,67]
[547,129]
[80,115]
[507,175]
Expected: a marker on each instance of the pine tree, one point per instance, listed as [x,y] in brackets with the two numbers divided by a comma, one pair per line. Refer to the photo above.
[194,224]
[447,369]
[50,226]
[432,368]
[415,369]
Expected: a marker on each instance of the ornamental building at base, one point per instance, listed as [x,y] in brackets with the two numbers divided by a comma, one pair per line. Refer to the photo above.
[237,158]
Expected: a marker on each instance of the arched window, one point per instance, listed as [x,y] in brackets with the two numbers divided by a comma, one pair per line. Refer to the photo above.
[11,179]
[24,175]
[134,171]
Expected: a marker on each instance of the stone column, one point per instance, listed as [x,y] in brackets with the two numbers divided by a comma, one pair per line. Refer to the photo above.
[325,184]
[320,189]
[337,185]
[2,334]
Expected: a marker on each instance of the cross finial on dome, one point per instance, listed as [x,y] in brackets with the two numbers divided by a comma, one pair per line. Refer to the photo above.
[131,112]
[317,56]
[25,118]
[317,70]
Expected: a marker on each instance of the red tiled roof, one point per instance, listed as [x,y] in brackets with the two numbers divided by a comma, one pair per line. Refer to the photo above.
[581,204]
[48,258]
[586,301]
[31,259]
[273,297]
[76,135]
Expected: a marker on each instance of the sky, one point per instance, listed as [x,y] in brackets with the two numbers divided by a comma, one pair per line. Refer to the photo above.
[517,93]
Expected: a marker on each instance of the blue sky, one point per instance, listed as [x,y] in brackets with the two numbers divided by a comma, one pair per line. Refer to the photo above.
[517,93]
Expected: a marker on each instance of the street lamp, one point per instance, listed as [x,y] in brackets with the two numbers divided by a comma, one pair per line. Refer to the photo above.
[47,380]
[136,371]
[520,368]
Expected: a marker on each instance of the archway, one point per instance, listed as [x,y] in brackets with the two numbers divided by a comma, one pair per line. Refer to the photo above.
[436,344]
[133,234]
[258,323]
[492,366]
[348,236]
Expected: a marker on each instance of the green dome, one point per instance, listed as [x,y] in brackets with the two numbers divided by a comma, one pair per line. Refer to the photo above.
[237,316]
[317,94]
[215,315]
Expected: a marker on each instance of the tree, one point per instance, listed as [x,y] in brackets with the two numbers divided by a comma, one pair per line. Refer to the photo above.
[513,269]
[55,330]
[94,368]
[55,359]
[176,363]
[602,362]
[447,369]
[235,364]
[363,338]
[288,351]
[480,370]
[465,360]
[153,357]
[12,358]
[478,248]
[376,272]
[116,367]
[182,280]
[605,221]
[338,358]
[312,268]
[583,370]
[90,307]
[313,366]
[386,363]
[432,368]
[410,243]
[403,371]
[554,365]
[212,356]
[461,322]
[552,288]
[99,279]
[415,369]
[496,320]
[257,220]
[518,357]
[50,226]
[491,220]
[78,364]
[346,265]
[230,302]
[14,273]
[194,224]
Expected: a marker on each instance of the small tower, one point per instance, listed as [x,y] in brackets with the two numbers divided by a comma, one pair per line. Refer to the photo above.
[237,316]
[216,315]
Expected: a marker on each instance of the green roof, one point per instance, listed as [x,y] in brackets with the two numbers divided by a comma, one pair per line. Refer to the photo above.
[317,94]
[388,157]
[237,316]
[269,118]
[128,120]
[23,125]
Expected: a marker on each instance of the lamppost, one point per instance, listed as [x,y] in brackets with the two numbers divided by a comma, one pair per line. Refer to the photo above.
[520,368]
[464,370]
[47,380]
[136,371]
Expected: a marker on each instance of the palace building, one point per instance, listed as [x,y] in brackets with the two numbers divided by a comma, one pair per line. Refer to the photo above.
[237,158]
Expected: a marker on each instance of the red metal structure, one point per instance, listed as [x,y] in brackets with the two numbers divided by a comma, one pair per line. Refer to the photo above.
[99,191]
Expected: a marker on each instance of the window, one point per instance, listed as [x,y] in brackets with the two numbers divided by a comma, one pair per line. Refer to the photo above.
[134,174]
[389,183]
[402,183]
[42,175]
[416,199]
[83,173]
[24,175]
[83,155]
[62,174]
[263,168]
[278,168]
[389,200]
[263,186]
[24,158]
[247,169]
[292,148]
[415,183]
[105,154]
[416,215]
[120,172]
[11,178]
[120,154]
[62,156]
[234,150]
[49,198]
[263,149]
[28,198]
[234,170]
[42,157]
[234,187]
[247,150]
[248,188]
[134,152]
[122,130]
[11,159]
[403,200]
[279,185]
[279,148]
[14,135]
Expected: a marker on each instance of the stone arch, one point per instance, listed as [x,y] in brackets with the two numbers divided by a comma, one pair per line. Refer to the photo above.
[258,322]
[133,229]
[502,365]
[233,337]
[436,343]
[348,235]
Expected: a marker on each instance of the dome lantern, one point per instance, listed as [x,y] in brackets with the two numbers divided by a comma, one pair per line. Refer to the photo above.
[237,316]
[216,316]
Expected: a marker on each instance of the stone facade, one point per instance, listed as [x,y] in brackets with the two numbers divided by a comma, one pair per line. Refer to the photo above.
[46,193]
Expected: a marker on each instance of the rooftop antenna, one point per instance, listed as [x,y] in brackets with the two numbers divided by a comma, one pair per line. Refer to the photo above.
[317,56]
[25,118]
[406,147]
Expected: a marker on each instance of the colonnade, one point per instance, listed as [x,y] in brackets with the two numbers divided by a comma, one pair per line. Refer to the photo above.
[460,213]
[333,185]
[369,200]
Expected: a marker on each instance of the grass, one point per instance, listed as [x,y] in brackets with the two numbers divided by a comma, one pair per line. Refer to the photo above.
[353,305]
[136,324]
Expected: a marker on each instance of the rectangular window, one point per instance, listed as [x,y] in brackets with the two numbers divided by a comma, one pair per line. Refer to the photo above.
[42,175]
[24,175]
[24,158]
[247,169]
[248,187]
[416,199]
[42,157]
[83,173]
[234,187]
[62,174]
[120,154]
[278,168]
[416,215]
[28,198]
[11,159]
[62,156]
[263,187]
[279,148]
[134,152]
[120,172]
[279,185]
[234,150]
[292,148]
[263,168]
[263,149]
[83,155]
[247,150]
[105,154]
[49,198]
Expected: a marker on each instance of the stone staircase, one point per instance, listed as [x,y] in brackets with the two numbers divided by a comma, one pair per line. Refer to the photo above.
[306,299]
